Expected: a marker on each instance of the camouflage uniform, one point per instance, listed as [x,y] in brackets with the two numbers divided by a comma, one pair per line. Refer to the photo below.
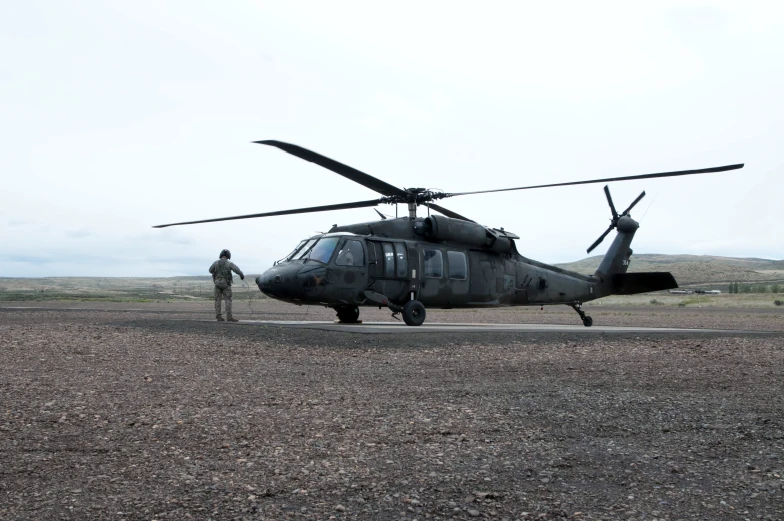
[221,269]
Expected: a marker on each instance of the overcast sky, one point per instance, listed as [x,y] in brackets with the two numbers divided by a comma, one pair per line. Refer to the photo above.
[116,116]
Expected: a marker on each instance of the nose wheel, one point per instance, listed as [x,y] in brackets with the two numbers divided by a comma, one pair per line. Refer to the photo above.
[587,321]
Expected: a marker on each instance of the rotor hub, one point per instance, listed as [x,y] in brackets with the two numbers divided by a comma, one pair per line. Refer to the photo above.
[416,196]
[627,224]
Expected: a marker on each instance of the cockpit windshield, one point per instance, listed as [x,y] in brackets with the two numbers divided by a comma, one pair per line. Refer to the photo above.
[303,251]
[323,249]
[291,255]
[314,249]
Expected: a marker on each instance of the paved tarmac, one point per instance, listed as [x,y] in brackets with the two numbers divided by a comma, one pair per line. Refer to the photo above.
[428,327]
[387,327]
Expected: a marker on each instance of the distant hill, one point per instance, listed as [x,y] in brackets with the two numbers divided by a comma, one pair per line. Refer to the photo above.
[704,271]
[696,269]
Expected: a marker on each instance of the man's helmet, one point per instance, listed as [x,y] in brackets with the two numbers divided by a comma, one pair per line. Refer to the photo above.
[225,253]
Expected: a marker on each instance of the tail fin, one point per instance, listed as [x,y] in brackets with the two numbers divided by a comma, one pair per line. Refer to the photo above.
[616,260]
[612,276]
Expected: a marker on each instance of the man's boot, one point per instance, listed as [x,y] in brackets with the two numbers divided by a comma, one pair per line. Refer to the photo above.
[232,319]
[219,318]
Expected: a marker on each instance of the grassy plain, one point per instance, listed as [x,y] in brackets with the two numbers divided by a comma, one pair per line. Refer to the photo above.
[189,289]
[116,289]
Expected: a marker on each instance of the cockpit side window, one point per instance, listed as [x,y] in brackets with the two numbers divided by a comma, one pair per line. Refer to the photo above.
[323,249]
[351,254]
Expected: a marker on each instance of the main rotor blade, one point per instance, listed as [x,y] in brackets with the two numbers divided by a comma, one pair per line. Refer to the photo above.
[609,179]
[448,213]
[346,171]
[639,198]
[610,201]
[598,241]
[343,206]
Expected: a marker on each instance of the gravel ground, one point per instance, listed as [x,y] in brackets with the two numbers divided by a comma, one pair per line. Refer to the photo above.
[149,414]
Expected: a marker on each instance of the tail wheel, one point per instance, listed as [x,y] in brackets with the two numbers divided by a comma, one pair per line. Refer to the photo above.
[348,314]
[587,321]
[413,313]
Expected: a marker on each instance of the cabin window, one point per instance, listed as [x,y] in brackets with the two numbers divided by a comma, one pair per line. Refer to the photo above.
[389,259]
[434,264]
[402,260]
[323,249]
[351,254]
[458,269]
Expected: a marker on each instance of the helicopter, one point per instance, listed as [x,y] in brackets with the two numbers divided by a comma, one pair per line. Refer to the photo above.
[412,263]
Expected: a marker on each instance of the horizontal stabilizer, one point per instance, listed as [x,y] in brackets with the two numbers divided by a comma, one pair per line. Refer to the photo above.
[631,283]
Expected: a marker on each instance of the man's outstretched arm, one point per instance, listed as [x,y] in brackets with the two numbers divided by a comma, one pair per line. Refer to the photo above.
[236,269]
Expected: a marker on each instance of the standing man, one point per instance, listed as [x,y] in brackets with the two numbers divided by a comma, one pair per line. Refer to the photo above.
[221,276]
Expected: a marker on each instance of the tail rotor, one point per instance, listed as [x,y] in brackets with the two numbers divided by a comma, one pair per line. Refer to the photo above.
[615,216]
[610,202]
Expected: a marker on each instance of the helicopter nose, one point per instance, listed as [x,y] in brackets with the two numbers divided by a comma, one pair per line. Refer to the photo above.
[277,282]
[294,283]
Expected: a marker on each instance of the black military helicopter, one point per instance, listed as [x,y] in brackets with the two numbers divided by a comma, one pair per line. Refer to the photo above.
[444,261]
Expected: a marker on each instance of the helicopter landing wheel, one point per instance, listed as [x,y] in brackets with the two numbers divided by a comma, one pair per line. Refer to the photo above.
[348,314]
[587,321]
[413,313]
